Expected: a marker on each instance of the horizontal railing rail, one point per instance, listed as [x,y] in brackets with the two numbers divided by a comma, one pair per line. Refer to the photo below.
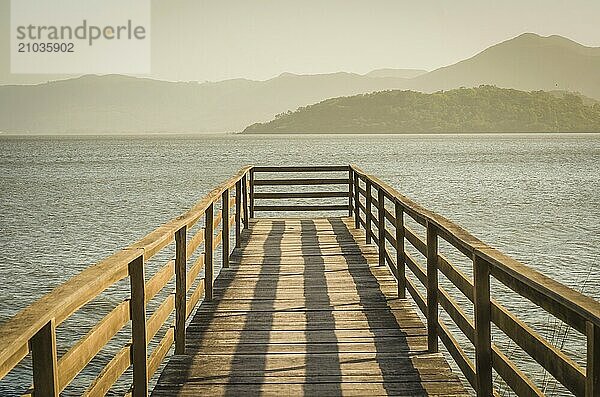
[33,330]
[300,182]
[377,205]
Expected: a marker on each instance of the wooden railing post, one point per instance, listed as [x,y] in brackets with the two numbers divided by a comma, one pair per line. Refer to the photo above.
[44,361]
[252,193]
[483,339]
[180,288]
[356,202]
[350,190]
[400,256]
[238,215]
[225,227]
[592,373]
[137,306]
[381,224]
[368,211]
[245,200]
[208,253]
[432,288]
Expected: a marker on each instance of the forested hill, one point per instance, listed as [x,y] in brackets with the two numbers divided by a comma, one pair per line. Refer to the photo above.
[482,109]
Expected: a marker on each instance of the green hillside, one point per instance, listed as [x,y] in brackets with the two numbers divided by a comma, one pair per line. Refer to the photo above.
[482,109]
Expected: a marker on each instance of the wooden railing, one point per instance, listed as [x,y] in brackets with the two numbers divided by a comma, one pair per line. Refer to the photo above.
[378,205]
[340,178]
[33,330]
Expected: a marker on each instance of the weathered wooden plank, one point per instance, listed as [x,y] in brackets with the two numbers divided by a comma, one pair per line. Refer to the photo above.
[110,373]
[278,365]
[217,240]
[557,363]
[160,352]
[238,214]
[311,290]
[180,289]
[356,201]
[368,213]
[483,337]
[195,242]
[301,181]
[433,388]
[381,226]
[457,353]
[313,168]
[44,361]
[159,280]
[72,362]
[432,287]
[138,327]
[194,271]
[411,326]
[302,336]
[194,298]
[399,246]
[592,384]
[252,184]
[225,228]
[276,208]
[160,315]
[290,195]
[245,205]
[208,254]
[513,376]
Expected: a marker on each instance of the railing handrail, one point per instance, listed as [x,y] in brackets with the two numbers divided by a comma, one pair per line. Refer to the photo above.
[574,300]
[578,311]
[68,297]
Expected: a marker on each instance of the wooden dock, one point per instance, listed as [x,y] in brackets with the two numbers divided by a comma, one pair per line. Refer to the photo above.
[305,309]
[227,300]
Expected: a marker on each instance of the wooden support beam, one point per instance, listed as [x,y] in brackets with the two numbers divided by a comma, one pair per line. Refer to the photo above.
[432,288]
[400,254]
[245,200]
[180,288]
[225,227]
[208,253]
[381,225]
[356,202]
[44,361]
[592,375]
[483,339]
[238,214]
[368,211]
[350,189]
[252,183]
[138,328]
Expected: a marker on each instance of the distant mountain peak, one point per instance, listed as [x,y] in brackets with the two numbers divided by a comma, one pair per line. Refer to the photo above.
[534,39]
[288,74]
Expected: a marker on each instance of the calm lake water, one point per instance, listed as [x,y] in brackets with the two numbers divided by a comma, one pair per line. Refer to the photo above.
[67,202]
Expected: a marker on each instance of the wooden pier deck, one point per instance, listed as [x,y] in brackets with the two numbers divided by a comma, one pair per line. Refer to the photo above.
[223,301]
[305,309]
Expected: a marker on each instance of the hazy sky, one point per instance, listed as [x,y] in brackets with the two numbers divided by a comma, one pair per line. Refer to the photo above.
[258,39]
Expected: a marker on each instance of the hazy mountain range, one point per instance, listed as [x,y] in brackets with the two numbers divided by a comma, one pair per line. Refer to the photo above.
[115,104]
